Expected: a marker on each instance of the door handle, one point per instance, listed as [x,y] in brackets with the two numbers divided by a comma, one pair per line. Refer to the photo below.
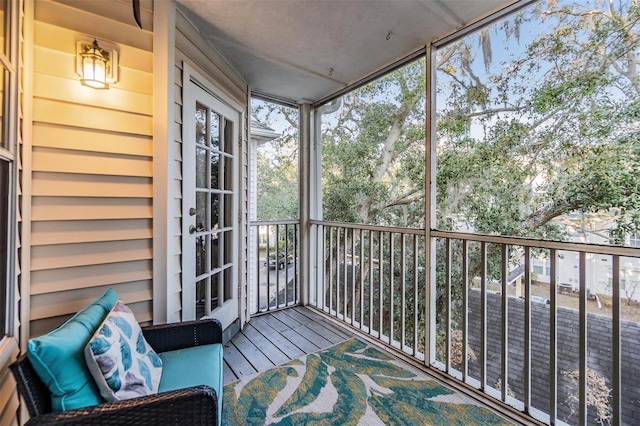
[192,229]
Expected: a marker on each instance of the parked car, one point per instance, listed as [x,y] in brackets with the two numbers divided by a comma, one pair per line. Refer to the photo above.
[280,261]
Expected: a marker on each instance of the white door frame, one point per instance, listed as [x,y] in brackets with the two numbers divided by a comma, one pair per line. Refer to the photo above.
[197,88]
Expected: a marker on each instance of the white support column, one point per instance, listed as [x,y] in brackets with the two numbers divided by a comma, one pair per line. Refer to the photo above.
[163,133]
[314,169]
[306,194]
[430,208]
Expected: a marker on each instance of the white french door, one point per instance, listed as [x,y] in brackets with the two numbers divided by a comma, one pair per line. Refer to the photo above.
[209,199]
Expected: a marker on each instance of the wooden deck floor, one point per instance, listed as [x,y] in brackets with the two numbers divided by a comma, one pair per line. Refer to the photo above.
[274,338]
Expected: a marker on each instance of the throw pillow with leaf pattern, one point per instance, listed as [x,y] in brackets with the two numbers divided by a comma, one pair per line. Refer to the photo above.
[120,359]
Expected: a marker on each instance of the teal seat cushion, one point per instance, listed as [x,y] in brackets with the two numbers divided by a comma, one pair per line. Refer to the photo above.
[199,365]
[58,357]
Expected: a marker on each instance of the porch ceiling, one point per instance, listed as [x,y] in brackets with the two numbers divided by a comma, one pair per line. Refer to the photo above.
[305,50]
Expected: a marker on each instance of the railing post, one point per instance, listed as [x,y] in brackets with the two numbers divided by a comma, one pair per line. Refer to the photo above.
[268,291]
[370,281]
[464,282]
[256,274]
[553,339]
[380,283]
[353,277]
[527,331]
[483,315]
[504,370]
[403,287]
[361,268]
[391,287]
[616,379]
[338,270]
[447,322]
[582,346]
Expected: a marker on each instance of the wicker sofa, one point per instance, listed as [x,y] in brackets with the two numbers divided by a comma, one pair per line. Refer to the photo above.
[191,405]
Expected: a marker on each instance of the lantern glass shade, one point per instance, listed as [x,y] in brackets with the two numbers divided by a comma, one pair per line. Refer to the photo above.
[94,62]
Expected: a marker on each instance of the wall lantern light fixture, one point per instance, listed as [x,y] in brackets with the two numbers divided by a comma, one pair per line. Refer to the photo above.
[97,66]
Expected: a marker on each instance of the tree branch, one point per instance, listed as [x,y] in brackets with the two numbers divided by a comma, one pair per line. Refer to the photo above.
[543,215]
[406,198]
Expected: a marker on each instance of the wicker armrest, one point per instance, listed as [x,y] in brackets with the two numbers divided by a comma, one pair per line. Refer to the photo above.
[170,337]
[190,406]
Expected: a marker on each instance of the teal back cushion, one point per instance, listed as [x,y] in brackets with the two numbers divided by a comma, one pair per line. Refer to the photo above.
[58,357]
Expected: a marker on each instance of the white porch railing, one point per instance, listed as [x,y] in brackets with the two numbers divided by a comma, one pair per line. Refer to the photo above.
[274,265]
[545,349]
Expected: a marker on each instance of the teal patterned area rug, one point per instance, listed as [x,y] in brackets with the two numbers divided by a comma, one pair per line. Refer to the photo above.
[352,383]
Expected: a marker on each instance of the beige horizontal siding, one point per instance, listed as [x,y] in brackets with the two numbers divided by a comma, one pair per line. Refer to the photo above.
[67,90]
[73,208]
[104,163]
[86,231]
[92,164]
[100,21]
[64,40]
[75,138]
[65,279]
[66,185]
[90,117]
[120,14]
[69,302]
[82,254]
[141,310]
[62,64]
[8,415]
[8,393]
[101,163]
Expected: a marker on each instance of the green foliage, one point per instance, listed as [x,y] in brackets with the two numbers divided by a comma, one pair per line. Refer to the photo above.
[556,129]
[277,190]
[563,93]
[277,164]
[551,130]
[606,179]
[373,152]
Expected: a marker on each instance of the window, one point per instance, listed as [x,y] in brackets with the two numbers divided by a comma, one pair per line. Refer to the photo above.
[634,240]
[373,151]
[542,267]
[274,160]
[527,118]
[273,197]
[8,117]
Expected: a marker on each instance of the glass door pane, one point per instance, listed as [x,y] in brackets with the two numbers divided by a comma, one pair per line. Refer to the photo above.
[214,200]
